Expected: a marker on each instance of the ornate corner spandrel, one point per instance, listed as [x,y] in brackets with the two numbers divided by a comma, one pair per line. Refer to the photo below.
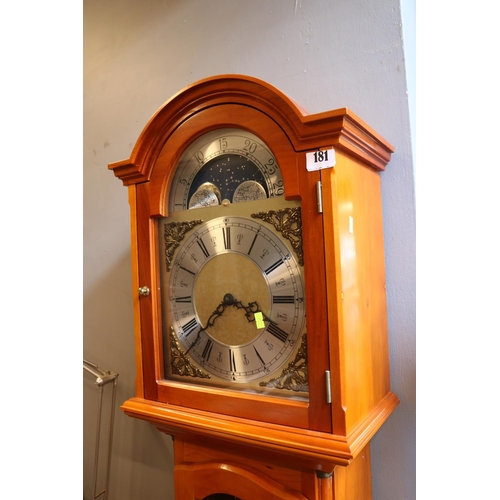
[294,377]
[180,362]
[288,222]
[174,233]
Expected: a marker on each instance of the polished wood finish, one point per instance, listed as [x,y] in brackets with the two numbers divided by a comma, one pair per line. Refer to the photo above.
[321,451]
[199,480]
[206,467]
[315,449]
[341,128]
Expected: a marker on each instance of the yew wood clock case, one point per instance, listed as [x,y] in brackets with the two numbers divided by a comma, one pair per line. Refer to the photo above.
[259,292]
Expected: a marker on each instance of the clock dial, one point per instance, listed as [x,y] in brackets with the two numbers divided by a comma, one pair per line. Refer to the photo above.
[229,165]
[236,299]
[232,287]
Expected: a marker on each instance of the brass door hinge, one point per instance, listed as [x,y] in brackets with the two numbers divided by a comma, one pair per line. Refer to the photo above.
[319,196]
[328,386]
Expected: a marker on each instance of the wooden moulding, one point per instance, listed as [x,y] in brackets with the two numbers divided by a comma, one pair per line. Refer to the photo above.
[199,480]
[340,128]
[320,451]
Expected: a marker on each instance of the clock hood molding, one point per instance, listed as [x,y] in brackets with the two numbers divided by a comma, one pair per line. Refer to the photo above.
[341,128]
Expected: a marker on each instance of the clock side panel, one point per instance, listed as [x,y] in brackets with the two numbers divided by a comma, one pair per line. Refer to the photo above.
[354,236]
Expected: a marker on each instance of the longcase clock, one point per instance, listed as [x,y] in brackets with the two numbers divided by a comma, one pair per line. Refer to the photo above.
[259,292]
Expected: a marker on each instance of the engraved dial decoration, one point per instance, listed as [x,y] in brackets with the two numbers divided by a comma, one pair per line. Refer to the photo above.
[225,166]
[236,299]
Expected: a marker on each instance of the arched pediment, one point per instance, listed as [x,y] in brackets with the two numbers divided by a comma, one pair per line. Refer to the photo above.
[340,128]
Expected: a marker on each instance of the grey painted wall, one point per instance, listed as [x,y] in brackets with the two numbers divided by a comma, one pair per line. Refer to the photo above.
[323,54]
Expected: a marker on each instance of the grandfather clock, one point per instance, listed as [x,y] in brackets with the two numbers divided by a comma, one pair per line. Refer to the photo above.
[259,292]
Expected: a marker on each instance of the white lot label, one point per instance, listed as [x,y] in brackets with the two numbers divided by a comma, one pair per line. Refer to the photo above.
[318,160]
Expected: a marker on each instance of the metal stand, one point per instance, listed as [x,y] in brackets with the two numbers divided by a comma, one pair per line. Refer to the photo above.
[103,377]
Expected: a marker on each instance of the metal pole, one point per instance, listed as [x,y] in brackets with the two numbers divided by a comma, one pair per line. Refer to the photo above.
[103,377]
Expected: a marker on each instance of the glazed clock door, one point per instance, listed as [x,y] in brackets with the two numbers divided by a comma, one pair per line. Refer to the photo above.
[232,291]
[231,242]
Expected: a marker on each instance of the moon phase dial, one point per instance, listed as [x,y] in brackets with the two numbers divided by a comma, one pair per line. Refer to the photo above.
[236,299]
[229,165]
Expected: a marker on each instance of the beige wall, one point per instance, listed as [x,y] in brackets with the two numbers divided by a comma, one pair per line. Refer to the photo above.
[324,55]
